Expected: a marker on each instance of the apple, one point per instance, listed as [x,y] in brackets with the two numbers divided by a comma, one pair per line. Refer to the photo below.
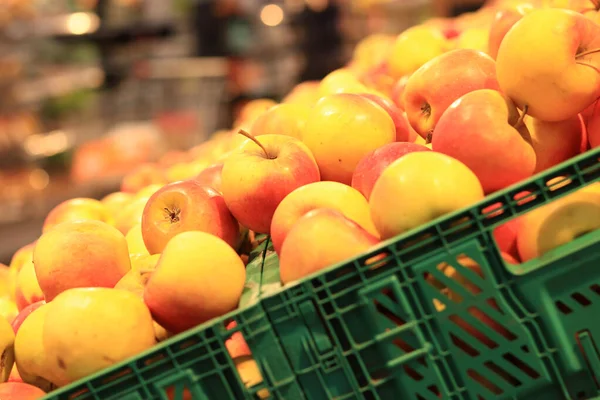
[186,206]
[211,176]
[341,129]
[558,77]
[506,237]
[282,119]
[252,110]
[305,93]
[91,254]
[89,329]
[76,209]
[558,223]
[372,50]
[27,287]
[131,214]
[32,360]
[473,38]
[349,201]
[198,277]
[503,21]
[555,142]
[438,83]
[340,81]
[413,48]
[20,391]
[398,117]
[261,174]
[135,241]
[115,202]
[8,309]
[419,187]
[21,256]
[592,123]
[398,91]
[372,165]
[236,345]
[144,175]
[24,313]
[331,238]
[483,130]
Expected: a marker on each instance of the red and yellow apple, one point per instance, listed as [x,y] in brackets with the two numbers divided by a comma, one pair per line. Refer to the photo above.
[349,201]
[186,206]
[89,329]
[438,83]
[548,63]
[558,223]
[20,391]
[255,179]
[211,176]
[503,21]
[372,165]
[341,129]
[115,202]
[77,209]
[482,129]
[27,287]
[320,239]
[555,142]
[282,119]
[197,278]
[413,48]
[142,176]
[90,254]
[403,132]
[419,187]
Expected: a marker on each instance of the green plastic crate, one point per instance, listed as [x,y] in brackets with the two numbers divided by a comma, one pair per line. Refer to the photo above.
[358,332]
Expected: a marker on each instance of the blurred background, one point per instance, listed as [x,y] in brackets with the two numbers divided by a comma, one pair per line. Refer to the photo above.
[90,89]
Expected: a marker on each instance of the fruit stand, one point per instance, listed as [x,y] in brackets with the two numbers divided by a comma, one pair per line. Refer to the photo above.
[423,223]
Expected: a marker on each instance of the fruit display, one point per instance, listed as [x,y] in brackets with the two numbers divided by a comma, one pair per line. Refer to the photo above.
[336,169]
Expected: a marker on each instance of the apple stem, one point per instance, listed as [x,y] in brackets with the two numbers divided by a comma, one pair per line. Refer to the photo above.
[251,137]
[587,53]
[522,116]
[588,65]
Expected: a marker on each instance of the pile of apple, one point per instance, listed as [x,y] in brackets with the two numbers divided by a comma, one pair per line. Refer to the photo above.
[416,126]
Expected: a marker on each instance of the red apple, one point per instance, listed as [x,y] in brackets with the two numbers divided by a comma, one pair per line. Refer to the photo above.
[503,21]
[592,122]
[439,82]
[186,206]
[24,313]
[257,177]
[236,345]
[400,121]
[398,91]
[20,391]
[372,165]
[142,176]
[555,142]
[211,176]
[483,130]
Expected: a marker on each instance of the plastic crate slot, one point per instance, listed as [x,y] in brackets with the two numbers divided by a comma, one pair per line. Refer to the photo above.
[412,373]
[563,308]
[317,329]
[117,376]
[581,299]
[511,358]
[180,385]
[495,368]
[484,382]
[595,288]
[465,327]
[464,346]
